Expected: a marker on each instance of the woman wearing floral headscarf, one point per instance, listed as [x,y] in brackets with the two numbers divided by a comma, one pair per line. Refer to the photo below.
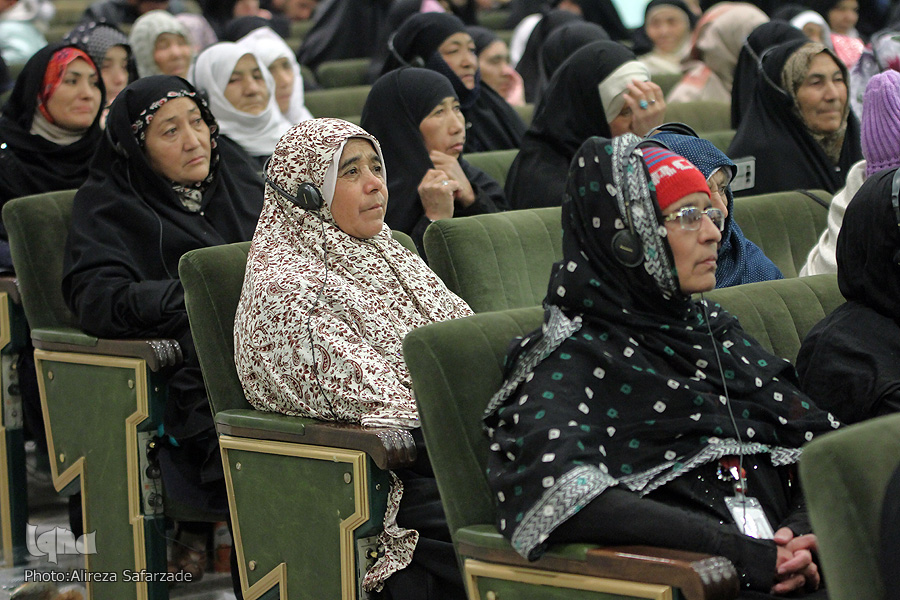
[635,412]
[328,297]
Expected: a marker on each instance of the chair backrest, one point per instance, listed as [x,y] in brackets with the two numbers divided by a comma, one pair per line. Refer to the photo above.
[343,73]
[721,139]
[456,366]
[525,112]
[702,115]
[495,163]
[785,225]
[666,82]
[845,475]
[499,260]
[38,227]
[337,102]
[213,278]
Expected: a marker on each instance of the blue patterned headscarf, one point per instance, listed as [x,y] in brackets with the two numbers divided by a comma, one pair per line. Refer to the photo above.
[740,260]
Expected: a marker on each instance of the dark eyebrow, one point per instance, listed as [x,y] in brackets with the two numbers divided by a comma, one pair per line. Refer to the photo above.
[191,111]
[354,159]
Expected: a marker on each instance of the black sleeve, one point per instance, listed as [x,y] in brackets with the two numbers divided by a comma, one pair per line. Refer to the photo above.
[620,517]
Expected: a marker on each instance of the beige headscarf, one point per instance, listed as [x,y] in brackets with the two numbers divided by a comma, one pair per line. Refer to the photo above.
[322,315]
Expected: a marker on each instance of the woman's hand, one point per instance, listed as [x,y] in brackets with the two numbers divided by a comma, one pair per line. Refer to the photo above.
[436,192]
[648,106]
[794,566]
[464,194]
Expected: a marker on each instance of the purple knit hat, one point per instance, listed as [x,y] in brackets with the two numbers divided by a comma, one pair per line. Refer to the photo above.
[881,122]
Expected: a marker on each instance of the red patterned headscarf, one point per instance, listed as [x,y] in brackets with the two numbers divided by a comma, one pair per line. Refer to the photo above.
[53,76]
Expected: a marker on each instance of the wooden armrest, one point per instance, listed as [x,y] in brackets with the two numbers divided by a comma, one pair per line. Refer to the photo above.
[389,448]
[157,353]
[10,285]
[698,576]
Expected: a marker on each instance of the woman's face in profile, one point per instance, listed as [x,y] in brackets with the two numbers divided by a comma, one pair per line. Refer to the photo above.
[822,97]
[246,89]
[283,73]
[76,101]
[458,51]
[177,143]
[172,54]
[695,252]
[493,62]
[114,72]
[444,129]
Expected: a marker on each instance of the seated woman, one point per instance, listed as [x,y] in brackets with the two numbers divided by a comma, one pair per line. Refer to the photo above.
[416,115]
[664,40]
[241,95]
[50,127]
[528,62]
[328,297]
[161,45]
[274,53]
[798,128]
[638,415]
[715,46]
[493,63]
[560,45]
[108,48]
[161,183]
[848,361]
[739,260]
[439,41]
[842,17]
[600,90]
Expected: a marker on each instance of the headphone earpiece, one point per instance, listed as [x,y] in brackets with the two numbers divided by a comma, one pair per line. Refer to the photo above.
[627,246]
[116,146]
[308,195]
[415,61]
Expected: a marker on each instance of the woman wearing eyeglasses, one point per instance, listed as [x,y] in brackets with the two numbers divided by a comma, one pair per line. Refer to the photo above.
[636,414]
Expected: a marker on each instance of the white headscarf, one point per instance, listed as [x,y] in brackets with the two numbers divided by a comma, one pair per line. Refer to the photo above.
[257,134]
[322,316]
[269,47]
[142,38]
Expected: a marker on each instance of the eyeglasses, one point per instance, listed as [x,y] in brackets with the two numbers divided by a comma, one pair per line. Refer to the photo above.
[689,217]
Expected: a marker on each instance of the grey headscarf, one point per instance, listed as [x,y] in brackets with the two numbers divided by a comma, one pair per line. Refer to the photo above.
[143,36]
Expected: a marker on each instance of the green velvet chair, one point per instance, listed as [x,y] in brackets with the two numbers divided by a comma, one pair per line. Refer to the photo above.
[456,367]
[845,474]
[343,73]
[307,497]
[102,402]
[666,82]
[493,18]
[495,163]
[13,480]
[721,139]
[337,102]
[496,261]
[785,225]
[701,115]
[526,112]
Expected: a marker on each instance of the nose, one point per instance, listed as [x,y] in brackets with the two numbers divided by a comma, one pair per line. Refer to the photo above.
[457,123]
[191,139]
[708,231]
[373,182]
[831,90]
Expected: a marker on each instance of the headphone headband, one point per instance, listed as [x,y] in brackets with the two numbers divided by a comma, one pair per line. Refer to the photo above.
[308,195]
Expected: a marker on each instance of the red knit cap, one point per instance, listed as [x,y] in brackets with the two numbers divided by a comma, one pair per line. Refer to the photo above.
[674,177]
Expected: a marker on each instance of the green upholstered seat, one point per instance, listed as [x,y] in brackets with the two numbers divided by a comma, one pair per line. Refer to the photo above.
[337,102]
[343,73]
[13,480]
[701,115]
[785,225]
[496,261]
[457,365]
[526,111]
[102,402]
[495,163]
[845,474]
[493,19]
[307,497]
[721,139]
[666,82]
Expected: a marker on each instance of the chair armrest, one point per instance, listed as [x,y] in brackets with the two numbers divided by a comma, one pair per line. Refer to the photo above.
[10,285]
[389,448]
[698,576]
[157,353]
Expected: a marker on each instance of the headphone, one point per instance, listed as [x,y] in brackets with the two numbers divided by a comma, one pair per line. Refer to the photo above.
[117,147]
[308,195]
[626,243]
[415,61]
[765,76]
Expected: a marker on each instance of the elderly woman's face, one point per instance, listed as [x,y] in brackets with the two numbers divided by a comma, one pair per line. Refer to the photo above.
[246,89]
[360,192]
[458,51]
[177,142]
[76,101]
[695,252]
[444,129]
[822,96]
[172,54]
[667,28]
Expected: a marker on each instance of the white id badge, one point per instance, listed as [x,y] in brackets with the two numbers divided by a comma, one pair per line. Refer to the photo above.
[749,516]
